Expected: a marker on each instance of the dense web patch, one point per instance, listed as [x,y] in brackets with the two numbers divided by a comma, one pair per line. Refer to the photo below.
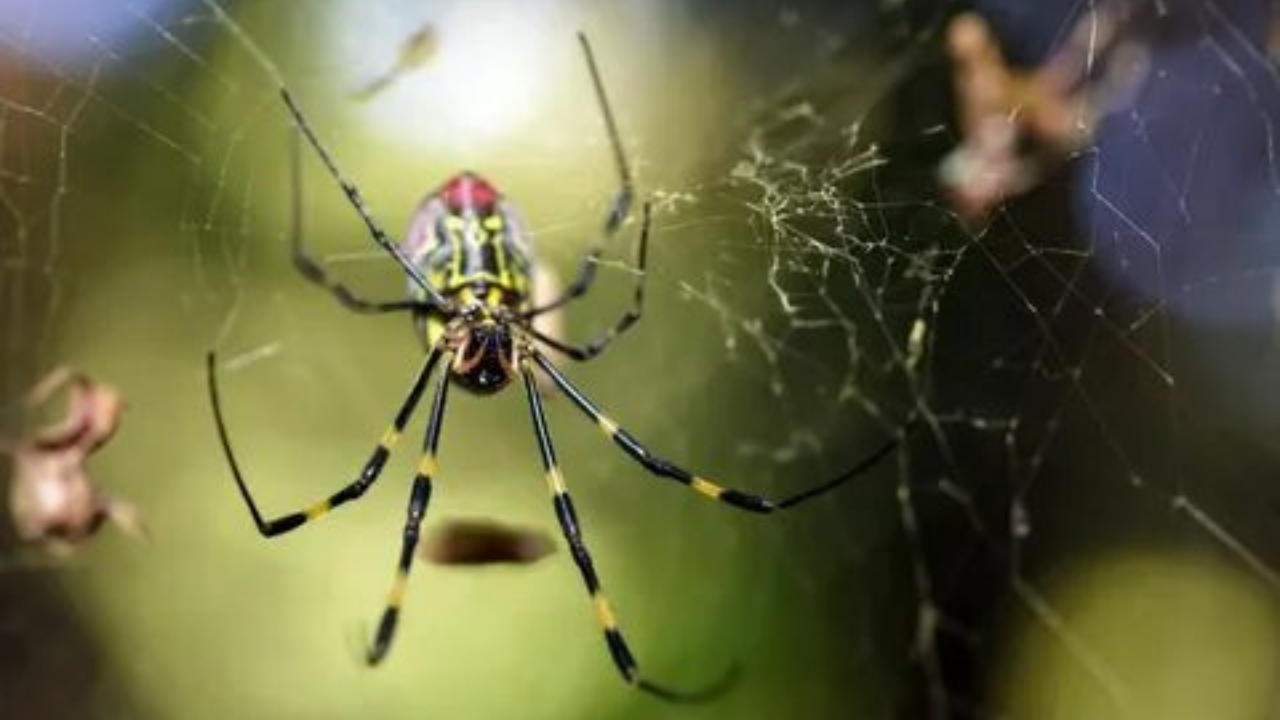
[1086,367]
[1012,334]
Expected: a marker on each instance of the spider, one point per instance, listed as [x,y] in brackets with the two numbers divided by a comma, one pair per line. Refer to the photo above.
[469,262]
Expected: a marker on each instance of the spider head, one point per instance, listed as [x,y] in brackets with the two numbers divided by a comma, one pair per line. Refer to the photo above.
[485,362]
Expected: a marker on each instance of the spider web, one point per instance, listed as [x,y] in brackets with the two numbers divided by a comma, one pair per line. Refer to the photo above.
[1078,523]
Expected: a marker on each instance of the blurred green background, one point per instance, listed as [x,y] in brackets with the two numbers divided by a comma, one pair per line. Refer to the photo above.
[146,197]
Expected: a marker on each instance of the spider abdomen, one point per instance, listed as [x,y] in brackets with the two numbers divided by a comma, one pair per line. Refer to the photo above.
[471,244]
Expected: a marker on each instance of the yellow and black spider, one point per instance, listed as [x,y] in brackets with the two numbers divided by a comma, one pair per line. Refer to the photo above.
[469,263]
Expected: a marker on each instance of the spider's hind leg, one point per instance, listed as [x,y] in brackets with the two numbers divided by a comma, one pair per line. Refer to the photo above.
[313,269]
[629,318]
[619,206]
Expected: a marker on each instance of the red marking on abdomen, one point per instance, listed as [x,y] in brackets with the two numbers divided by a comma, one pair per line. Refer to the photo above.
[469,191]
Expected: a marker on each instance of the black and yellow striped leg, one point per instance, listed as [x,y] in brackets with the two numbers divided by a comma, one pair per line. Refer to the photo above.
[368,474]
[419,498]
[593,348]
[569,525]
[666,469]
[314,270]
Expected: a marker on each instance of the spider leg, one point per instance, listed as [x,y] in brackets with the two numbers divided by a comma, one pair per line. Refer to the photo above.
[593,348]
[619,208]
[368,474]
[432,296]
[311,268]
[419,498]
[666,469]
[572,530]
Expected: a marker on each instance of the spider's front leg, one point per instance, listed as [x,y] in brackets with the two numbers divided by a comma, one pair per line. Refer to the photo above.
[570,526]
[660,467]
[368,474]
[419,498]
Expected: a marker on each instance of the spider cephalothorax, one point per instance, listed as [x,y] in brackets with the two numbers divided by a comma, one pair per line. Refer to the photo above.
[484,359]
[470,265]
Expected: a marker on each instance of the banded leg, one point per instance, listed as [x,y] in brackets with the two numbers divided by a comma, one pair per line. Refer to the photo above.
[419,498]
[571,528]
[368,474]
[619,208]
[314,270]
[588,351]
[665,469]
[433,296]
